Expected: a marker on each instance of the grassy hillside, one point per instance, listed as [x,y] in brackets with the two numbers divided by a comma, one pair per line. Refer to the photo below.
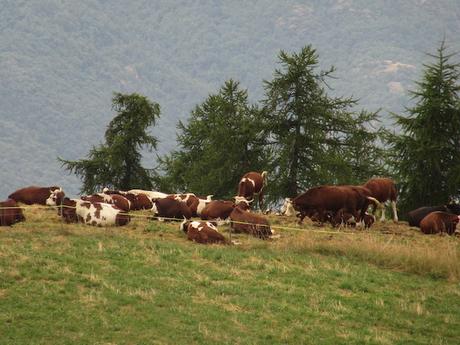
[146,284]
[60,61]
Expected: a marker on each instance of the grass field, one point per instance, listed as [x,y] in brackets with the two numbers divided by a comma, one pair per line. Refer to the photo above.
[146,284]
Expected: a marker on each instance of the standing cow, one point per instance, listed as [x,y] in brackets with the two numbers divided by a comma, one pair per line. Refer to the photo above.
[10,213]
[253,183]
[50,196]
[384,189]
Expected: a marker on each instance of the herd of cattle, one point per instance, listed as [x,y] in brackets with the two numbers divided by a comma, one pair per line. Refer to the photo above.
[339,205]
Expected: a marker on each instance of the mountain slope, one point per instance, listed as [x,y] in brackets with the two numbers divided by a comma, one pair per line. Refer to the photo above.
[60,61]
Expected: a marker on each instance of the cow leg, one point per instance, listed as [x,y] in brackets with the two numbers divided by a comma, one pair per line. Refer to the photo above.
[382,217]
[395,212]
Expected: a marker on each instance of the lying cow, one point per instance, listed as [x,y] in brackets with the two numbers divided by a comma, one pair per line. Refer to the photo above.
[115,199]
[439,222]
[196,204]
[415,216]
[10,213]
[92,213]
[138,201]
[248,222]
[50,196]
[202,232]
[170,208]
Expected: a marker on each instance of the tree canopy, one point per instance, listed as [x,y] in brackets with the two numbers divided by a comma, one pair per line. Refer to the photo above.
[117,162]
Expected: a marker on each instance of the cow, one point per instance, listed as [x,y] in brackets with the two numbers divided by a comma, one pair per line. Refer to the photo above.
[137,201]
[92,213]
[50,196]
[217,209]
[242,220]
[202,232]
[10,213]
[322,201]
[152,195]
[170,208]
[415,216]
[196,204]
[115,199]
[439,222]
[384,189]
[253,183]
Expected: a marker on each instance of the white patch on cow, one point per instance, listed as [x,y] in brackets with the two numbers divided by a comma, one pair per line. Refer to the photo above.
[211,226]
[107,214]
[51,201]
[202,204]
[288,209]
[105,190]
[154,209]
[152,195]
[252,181]
[395,212]
[195,224]
[239,199]
[107,198]
[182,225]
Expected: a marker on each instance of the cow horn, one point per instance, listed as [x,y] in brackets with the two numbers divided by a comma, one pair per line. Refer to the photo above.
[379,205]
[182,226]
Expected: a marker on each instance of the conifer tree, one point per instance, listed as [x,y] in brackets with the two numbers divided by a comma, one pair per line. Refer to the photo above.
[315,138]
[117,163]
[427,149]
[221,141]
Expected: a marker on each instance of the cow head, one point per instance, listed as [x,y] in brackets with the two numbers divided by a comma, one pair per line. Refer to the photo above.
[55,198]
[454,208]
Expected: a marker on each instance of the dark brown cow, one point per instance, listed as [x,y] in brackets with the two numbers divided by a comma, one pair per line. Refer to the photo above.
[253,183]
[170,208]
[202,232]
[245,221]
[50,196]
[415,216]
[92,213]
[439,222]
[217,209]
[384,189]
[332,199]
[10,213]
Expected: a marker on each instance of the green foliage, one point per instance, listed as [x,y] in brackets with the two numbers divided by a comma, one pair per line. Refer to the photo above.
[221,141]
[427,151]
[117,163]
[316,138]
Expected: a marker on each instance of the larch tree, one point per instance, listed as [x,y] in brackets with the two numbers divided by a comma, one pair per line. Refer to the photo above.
[117,162]
[426,151]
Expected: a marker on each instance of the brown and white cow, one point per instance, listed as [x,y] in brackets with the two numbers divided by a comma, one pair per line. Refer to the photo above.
[10,213]
[170,208]
[118,200]
[414,217]
[253,183]
[196,204]
[50,196]
[439,222]
[202,232]
[138,201]
[384,189]
[92,213]
[242,220]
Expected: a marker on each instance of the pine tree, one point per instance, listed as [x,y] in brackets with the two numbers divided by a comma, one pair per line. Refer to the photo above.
[427,149]
[316,138]
[117,163]
[221,141]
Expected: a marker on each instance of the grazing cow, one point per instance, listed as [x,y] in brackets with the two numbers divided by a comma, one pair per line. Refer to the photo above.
[415,216]
[324,200]
[115,199]
[248,222]
[202,232]
[50,196]
[10,213]
[439,222]
[253,183]
[170,208]
[384,189]
[92,213]
[217,209]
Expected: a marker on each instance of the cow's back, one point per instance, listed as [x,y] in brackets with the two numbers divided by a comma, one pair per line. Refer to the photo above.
[382,188]
[32,195]
[438,221]
[217,209]
[414,217]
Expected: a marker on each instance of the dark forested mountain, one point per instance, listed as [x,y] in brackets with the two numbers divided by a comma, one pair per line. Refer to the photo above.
[61,60]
